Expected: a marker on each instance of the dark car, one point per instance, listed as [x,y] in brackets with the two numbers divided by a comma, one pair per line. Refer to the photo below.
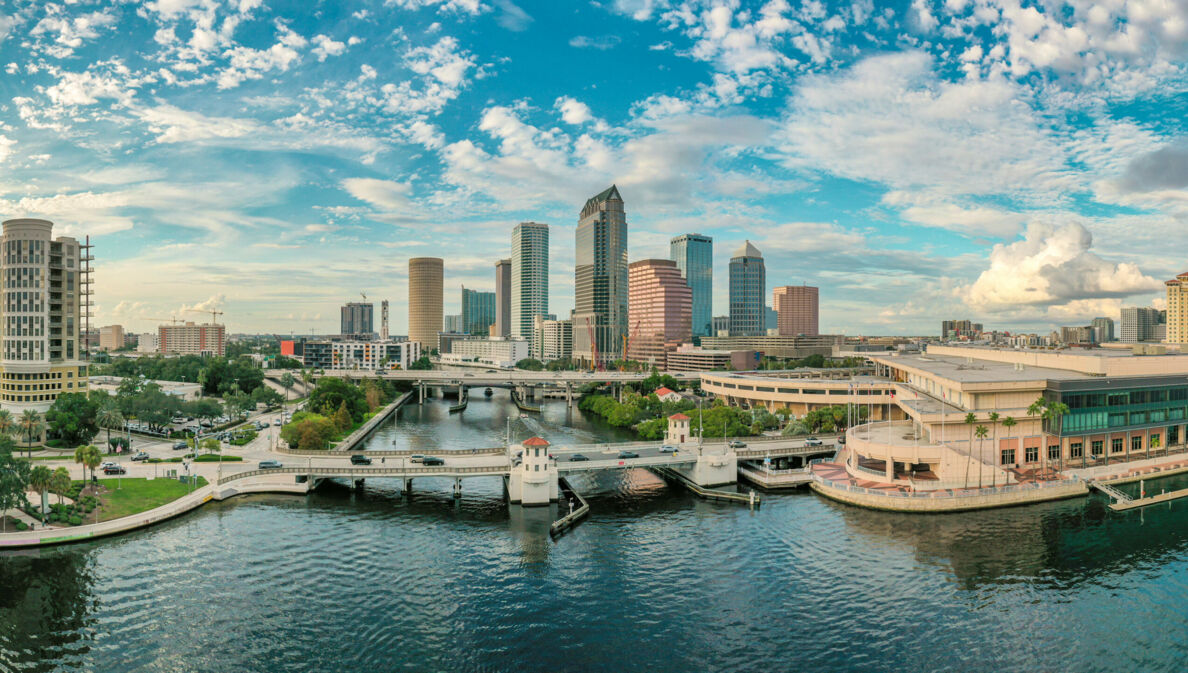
[841,439]
[577,457]
[433,460]
[628,454]
[736,444]
[269,464]
[178,446]
[140,456]
[114,469]
[358,459]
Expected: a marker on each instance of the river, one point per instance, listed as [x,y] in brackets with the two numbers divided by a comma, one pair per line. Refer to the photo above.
[654,580]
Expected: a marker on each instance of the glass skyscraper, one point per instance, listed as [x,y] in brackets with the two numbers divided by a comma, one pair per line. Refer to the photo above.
[694,256]
[600,278]
[478,311]
[529,277]
[748,287]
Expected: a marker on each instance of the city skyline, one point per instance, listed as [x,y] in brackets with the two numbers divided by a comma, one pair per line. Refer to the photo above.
[240,137]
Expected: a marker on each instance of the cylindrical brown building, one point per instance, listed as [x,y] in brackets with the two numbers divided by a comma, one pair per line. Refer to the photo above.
[425,301]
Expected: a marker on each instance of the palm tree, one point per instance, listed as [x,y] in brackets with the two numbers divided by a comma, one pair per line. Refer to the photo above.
[109,417]
[1056,411]
[7,424]
[60,482]
[31,426]
[1040,408]
[981,433]
[1008,423]
[39,480]
[970,419]
[90,458]
[287,382]
[993,446]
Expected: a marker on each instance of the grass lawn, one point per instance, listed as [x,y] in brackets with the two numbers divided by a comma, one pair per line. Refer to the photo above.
[137,495]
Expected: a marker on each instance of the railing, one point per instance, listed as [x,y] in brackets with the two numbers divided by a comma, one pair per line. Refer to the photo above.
[939,494]
[870,470]
[396,453]
[316,471]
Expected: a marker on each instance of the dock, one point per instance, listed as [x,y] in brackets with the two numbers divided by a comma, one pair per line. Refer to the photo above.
[1123,502]
[523,406]
[670,474]
[567,522]
[774,479]
[461,405]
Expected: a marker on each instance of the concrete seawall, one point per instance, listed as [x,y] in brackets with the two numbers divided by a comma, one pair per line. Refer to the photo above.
[938,504]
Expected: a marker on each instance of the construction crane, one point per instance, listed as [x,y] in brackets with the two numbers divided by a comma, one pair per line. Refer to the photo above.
[214,314]
[364,295]
[168,320]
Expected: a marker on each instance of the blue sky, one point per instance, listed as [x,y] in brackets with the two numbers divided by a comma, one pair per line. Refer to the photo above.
[1023,164]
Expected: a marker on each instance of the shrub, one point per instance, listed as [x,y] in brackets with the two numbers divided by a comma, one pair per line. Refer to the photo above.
[75,521]
[21,525]
[209,458]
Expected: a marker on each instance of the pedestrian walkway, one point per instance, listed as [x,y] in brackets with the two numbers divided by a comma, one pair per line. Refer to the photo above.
[21,516]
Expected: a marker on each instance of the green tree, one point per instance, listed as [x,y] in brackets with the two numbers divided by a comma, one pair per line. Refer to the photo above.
[530,364]
[14,477]
[993,451]
[970,419]
[90,457]
[39,480]
[342,418]
[266,396]
[1008,423]
[421,363]
[72,417]
[330,393]
[30,426]
[287,382]
[211,445]
[981,433]
[60,483]
[7,423]
[110,417]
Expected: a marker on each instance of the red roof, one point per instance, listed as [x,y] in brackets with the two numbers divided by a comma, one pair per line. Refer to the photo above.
[535,441]
[662,391]
[678,416]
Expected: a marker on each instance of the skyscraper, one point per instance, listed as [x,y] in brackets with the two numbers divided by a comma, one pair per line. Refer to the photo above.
[659,310]
[478,311]
[1177,309]
[46,299]
[600,278]
[357,318]
[694,256]
[503,298]
[796,307]
[529,277]
[748,285]
[1138,324]
[1103,329]
[425,276]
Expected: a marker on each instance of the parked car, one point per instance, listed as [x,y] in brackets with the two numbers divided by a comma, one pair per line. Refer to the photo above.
[432,460]
[577,458]
[736,444]
[114,469]
[269,464]
[416,458]
[140,456]
[841,439]
[106,464]
[178,446]
[628,454]
[179,419]
[360,459]
[668,449]
[813,441]
[278,422]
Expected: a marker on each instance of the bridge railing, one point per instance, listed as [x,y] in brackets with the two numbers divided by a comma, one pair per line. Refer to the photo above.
[396,453]
[316,471]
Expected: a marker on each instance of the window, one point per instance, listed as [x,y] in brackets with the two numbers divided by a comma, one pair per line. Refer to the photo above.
[1096,447]
[1076,450]
[1116,445]
[1136,443]
[1053,452]
[1008,456]
[1031,454]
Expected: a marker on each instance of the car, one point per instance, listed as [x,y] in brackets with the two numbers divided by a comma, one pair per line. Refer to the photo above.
[206,423]
[179,419]
[841,439]
[140,456]
[736,444]
[114,469]
[278,423]
[577,458]
[416,458]
[106,464]
[178,446]
[359,459]
[269,465]
[668,449]
[492,371]
[432,460]
[628,454]
[813,441]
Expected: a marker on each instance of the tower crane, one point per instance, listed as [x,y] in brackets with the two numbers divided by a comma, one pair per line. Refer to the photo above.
[214,314]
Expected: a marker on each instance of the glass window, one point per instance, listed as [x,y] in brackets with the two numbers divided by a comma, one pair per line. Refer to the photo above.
[1031,454]
[1096,447]
[1116,445]
[1054,452]
[1138,417]
[1008,456]
[1136,443]
[1119,399]
[1076,450]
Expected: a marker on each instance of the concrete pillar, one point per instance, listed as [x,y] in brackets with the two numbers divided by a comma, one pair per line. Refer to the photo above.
[890,468]
[408,485]
[359,484]
[568,393]
[420,392]
[457,487]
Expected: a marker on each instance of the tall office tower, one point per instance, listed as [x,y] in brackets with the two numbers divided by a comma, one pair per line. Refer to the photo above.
[1103,329]
[529,277]
[384,320]
[357,318]
[796,307]
[47,292]
[694,256]
[748,285]
[1138,324]
[425,311]
[1177,310]
[600,279]
[503,298]
[452,324]
[478,311]
[659,310]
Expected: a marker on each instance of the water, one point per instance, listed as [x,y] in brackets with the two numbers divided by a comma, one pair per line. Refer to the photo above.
[654,580]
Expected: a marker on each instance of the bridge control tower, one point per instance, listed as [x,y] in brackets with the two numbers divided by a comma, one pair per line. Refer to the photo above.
[534,480]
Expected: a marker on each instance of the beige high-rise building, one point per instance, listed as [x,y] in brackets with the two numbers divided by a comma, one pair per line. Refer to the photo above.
[111,337]
[796,306]
[1177,310]
[659,310]
[193,339]
[425,313]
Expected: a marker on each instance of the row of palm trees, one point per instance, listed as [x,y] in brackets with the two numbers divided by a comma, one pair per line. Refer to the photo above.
[44,481]
[28,427]
[1052,413]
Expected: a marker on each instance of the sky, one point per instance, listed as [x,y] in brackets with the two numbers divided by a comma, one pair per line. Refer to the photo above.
[1023,164]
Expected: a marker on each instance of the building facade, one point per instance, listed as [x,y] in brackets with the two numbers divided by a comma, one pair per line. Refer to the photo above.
[778,346]
[529,276]
[721,326]
[192,339]
[370,355]
[478,311]
[147,343]
[600,278]
[659,310]
[503,270]
[452,323]
[553,339]
[46,299]
[689,358]
[796,309]
[494,351]
[111,337]
[956,329]
[357,318]
[694,257]
[748,283]
[425,275]
[1177,310]
[1103,330]
[1139,323]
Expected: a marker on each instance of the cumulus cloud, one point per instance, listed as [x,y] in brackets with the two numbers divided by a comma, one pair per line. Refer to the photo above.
[6,145]
[1052,265]
[471,7]
[601,42]
[325,47]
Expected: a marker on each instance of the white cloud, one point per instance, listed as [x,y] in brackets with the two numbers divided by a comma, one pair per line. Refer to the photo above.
[174,125]
[246,63]
[1052,265]
[324,47]
[6,145]
[70,32]
[601,42]
[471,7]
[511,16]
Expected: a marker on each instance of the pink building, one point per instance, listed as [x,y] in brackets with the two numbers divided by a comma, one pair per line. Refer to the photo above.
[796,306]
[659,310]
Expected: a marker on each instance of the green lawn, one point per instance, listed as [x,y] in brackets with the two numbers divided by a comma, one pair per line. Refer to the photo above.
[136,495]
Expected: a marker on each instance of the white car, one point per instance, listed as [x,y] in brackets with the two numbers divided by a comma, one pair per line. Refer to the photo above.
[668,449]
[106,464]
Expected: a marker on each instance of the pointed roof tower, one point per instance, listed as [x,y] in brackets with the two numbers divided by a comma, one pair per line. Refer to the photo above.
[747,250]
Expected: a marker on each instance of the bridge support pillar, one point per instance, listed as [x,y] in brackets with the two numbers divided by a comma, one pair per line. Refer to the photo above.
[407,486]
[714,467]
[359,484]
[457,487]
[568,394]
[420,393]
